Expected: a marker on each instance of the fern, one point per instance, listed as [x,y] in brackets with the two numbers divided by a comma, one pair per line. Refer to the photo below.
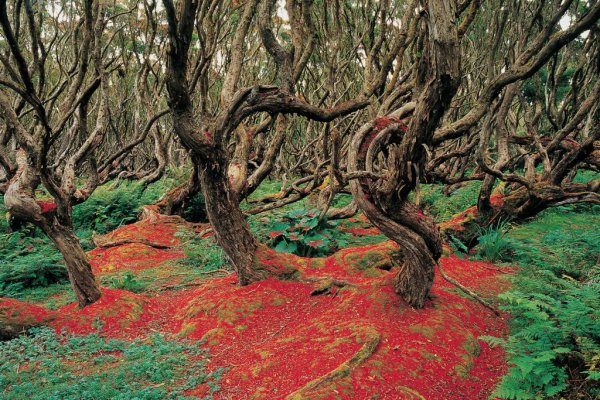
[459,249]
[28,262]
[492,242]
[555,305]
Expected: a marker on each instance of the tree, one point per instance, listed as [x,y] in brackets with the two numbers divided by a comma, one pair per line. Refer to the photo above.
[55,106]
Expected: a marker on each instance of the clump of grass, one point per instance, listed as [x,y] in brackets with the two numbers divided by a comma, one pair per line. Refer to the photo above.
[125,281]
[202,255]
[492,243]
[47,365]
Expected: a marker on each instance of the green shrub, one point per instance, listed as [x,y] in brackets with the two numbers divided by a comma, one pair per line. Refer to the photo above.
[28,262]
[108,208]
[554,343]
[300,232]
[124,281]
[196,210]
[3,220]
[46,365]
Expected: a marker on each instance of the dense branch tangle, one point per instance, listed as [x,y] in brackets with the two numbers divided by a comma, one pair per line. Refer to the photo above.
[61,66]
[369,97]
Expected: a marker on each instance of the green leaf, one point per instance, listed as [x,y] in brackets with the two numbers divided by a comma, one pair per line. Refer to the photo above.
[286,247]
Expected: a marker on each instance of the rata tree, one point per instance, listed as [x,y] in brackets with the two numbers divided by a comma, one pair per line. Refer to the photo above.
[34,125]
[531,113]
[208,136]
[58,76]
[409,141]
[389,144]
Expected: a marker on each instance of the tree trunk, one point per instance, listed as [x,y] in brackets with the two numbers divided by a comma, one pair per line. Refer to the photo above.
[177,200]
[385,202]
[231,229]
[81,277]
[20,202]
[415,233]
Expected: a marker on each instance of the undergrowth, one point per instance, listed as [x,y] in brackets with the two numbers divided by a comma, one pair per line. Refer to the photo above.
[28,261]
[30,264]
[554,344]
[302,233]
[111,206]
[46,365]
[442,207]
[202,255]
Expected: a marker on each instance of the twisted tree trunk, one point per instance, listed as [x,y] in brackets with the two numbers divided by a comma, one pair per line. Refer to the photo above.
[56,224]
[78,267]
[229,224]
[385,202]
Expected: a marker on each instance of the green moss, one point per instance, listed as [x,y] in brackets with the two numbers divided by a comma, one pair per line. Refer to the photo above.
[368,260]
[429,356]
[426,330]
[264,354]
[231,313]
[186,329]
[213,336]
[472,349]
[331,347]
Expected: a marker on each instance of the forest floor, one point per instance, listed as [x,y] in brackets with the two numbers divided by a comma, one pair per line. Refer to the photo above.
[339,331]
[173,323]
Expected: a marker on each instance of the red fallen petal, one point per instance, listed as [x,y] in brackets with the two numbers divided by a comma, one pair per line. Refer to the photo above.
[46,205]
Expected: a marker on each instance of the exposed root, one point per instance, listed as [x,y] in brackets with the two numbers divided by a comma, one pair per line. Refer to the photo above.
[326,284]
[502,271]
[106,243]
[468,291]
[179,286]
[344,369]
[214,271]
[205,232]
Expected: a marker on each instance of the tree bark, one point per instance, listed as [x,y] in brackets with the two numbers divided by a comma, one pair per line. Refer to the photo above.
[78,267]
[229,224]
